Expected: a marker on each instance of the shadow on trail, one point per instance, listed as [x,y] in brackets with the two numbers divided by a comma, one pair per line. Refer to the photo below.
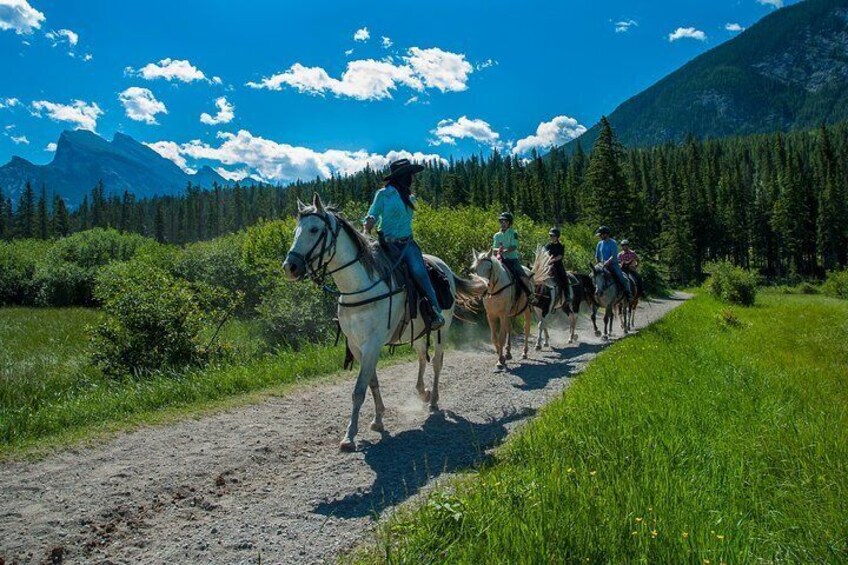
[404,463]
[538,374]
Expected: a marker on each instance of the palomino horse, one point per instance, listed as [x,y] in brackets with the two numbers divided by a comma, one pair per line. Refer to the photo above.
[372,305]
[503,301]
[551,299]
[611,296]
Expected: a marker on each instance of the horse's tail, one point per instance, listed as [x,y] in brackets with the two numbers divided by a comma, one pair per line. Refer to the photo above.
[469,291]
[541,266]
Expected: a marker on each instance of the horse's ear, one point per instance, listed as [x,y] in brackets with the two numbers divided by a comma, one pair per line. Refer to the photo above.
[300,206]
[316,201]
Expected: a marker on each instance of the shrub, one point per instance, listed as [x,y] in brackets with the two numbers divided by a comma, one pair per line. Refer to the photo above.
[153,320]
[66,274]
[732,284]
[18,263]
[836,284]
[294,314]
[219,263]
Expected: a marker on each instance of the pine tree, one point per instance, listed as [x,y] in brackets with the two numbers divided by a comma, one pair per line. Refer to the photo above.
[159,228]
[61,223]
[42,219]
[606,186]
[25,215]
[2,215]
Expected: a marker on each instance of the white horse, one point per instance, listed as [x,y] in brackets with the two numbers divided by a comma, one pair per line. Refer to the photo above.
[503,302]
[611,296]
[372,304]
[582,290]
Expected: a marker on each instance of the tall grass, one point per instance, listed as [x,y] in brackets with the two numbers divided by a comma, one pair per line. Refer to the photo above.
[696,441]
[49,390]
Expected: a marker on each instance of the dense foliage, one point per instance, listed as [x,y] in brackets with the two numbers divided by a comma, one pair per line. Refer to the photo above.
[776,203]
[836,284]
[732,284]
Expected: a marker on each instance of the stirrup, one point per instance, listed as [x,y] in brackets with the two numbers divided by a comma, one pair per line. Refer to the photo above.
[438,322]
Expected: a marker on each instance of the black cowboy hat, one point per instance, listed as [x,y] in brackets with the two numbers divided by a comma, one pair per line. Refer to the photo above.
[402,167]
[602,229]
[505,216]
[554,231]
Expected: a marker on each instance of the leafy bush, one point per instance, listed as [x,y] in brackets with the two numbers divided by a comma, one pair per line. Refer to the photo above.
[67,272]
[732,284]
[836,284]
[153,319]
[219,262]
[18,263]
[293,314]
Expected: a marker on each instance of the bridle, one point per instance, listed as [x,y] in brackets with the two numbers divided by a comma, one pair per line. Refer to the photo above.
[326,251]
[493,282]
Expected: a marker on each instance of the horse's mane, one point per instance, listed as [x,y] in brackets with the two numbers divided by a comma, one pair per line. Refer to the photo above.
[376,262]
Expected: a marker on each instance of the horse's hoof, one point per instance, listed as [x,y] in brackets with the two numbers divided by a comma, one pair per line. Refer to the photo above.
[425,396]
[597,334]
[377,426]
[499,367]
[605,338]
[538,347]
[508,356]
[347,446]
[524,356]
[434,408]
[571,340]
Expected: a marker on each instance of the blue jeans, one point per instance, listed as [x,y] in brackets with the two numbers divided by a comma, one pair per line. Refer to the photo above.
[615,267]
[414,261]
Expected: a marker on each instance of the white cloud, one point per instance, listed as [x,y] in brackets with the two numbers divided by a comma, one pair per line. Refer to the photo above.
[281,162]
[687,33]
[80,113]
[558,131]
[8,102]
[349,52]
[225,113]
[232,175]
[88,57]
[772,3]
[141,105]
[448,131]
[733,27]
[170,69]
[369,79]
[386,42]
[63,35]
[50,147]
[19,16]
[412,100]
[171,150]
[20,140]
[362,34]
[625,25]
[485,64]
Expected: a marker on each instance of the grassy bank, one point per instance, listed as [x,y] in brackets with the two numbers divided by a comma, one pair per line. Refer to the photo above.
[49,392]
[713,436]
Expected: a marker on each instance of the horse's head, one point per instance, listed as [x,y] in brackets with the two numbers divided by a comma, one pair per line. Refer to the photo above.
[314,241]
[482,264]
[600,278]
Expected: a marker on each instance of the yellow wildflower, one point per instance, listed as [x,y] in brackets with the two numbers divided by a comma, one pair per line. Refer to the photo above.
[685,535]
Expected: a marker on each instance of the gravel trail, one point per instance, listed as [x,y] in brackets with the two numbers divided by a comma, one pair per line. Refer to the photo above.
[268,479]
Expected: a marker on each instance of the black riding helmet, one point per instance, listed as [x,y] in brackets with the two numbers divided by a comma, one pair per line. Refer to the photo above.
[505,216]
[602,230]
[554,232]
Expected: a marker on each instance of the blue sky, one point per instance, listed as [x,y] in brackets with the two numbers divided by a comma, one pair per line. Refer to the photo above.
[298,89]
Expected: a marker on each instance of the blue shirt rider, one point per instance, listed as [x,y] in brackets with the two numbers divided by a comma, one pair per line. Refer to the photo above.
[607,252]
[392,209]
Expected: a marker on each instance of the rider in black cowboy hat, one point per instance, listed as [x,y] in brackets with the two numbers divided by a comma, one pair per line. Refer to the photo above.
[393,208]
[557,252]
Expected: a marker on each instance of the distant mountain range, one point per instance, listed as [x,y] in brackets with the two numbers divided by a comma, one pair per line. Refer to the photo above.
[83,158]
[788,71]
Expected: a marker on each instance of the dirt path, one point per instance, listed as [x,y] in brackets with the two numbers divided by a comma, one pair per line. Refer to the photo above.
[269,479]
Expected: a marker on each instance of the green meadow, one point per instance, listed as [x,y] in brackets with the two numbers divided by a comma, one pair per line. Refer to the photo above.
[717,435]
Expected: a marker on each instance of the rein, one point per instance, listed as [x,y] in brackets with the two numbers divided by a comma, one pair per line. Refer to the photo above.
[495,282]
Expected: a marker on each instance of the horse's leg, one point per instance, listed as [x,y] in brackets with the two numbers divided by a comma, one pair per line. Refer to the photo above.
[420,347]
[528,320]
[505,338]
[379,407]
[547,336]
[572,327]
[438,362]
[595,319]
[542,329]
[367,370]
[496,340]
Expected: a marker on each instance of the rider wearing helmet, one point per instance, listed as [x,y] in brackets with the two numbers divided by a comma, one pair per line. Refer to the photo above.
[505,244]
[607,253]
[393,208]
[629,261]
[557,252]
